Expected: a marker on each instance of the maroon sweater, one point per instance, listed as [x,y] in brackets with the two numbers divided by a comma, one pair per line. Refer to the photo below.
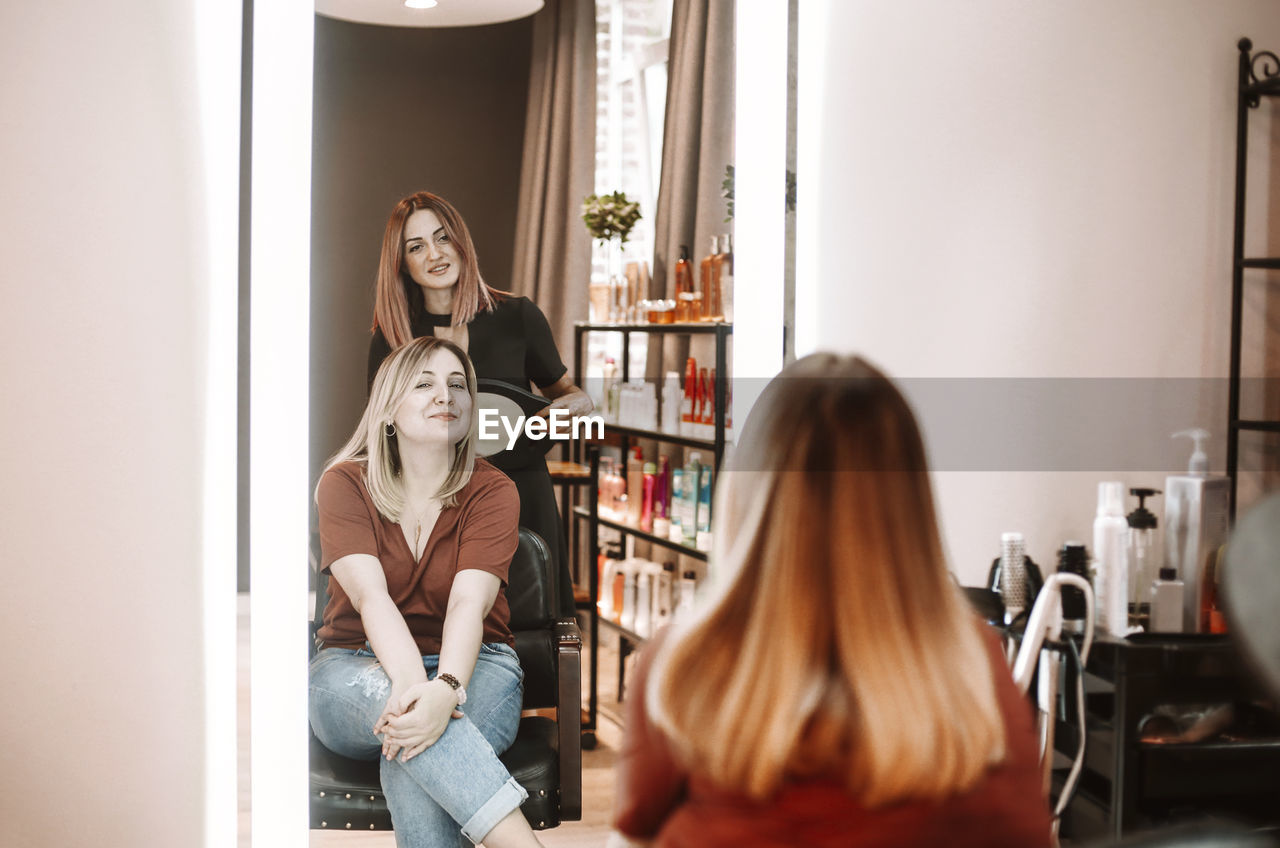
[657,799]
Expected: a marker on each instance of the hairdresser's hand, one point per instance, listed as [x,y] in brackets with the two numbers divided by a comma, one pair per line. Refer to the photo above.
[565,395]
[422,714]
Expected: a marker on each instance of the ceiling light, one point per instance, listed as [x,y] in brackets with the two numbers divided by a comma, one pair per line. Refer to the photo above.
[444,13]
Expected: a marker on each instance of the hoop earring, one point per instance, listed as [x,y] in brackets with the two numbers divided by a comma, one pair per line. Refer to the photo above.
[389,429]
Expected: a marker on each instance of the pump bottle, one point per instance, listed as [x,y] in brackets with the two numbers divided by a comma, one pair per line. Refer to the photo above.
[1144,557]
[1195,525]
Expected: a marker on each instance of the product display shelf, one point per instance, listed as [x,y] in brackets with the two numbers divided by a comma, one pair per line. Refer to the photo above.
[1259,77]
[626,435]
[685,550]
[1128,784]
[659,436]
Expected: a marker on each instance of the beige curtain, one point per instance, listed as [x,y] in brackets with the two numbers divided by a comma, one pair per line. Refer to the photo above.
[697,140]
[552,262]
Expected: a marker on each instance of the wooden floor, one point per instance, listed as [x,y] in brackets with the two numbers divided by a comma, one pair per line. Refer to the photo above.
[597,767]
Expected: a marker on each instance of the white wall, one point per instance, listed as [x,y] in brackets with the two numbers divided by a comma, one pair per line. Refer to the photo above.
[103,334]
[1026,190]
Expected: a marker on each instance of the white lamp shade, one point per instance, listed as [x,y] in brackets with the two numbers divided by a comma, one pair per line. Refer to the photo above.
[446,13]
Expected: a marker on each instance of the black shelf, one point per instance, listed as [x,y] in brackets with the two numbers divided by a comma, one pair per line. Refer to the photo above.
[1132,784]
[691,329]
[659,436]
[1257,426]
[1273,264]
[584,513]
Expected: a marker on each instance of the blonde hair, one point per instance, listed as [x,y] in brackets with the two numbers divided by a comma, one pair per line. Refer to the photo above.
[395,291]
[380,451]
[839,646]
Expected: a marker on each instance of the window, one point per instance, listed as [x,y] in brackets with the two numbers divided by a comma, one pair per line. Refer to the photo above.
[631,93]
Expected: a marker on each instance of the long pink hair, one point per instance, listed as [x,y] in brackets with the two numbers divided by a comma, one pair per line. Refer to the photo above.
[395,288]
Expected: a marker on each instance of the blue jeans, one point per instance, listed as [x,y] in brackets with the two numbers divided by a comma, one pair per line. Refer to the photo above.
[457,785]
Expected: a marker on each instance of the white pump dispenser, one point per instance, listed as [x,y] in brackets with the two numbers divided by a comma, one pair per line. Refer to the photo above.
[1198,465]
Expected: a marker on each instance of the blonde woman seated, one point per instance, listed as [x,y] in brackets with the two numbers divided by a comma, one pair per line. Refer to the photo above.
[838,691]
[417,666]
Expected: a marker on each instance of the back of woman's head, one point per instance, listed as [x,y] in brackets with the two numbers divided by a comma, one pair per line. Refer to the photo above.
[838,642]
[395,291]
[376,443]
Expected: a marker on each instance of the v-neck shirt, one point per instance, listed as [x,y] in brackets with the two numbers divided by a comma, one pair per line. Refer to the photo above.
[481,532]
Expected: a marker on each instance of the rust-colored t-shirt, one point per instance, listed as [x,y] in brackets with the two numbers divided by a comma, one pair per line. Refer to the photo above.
[658,799]
[481,532]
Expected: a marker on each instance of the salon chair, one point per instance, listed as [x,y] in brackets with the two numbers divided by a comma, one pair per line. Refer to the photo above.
[546,757]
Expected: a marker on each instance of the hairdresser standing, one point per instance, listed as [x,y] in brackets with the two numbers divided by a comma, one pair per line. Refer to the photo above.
[429,284]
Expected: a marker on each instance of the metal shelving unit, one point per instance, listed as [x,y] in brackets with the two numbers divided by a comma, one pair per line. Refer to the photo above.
[1259,77]
[626,436]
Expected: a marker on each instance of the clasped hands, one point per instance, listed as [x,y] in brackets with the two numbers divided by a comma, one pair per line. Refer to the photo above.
[413,719]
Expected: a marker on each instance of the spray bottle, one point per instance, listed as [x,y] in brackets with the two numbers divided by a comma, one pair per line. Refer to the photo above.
[1111,567]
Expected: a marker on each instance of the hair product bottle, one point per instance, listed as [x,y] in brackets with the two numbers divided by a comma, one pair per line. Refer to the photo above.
[664,595]
[635,486]
[1144,558]
[675,511]
[661,488]
[691,482]
[688,590]
[684,286]
[628,618]
[726,278]
[1166,602]
[646,508]
[1195,524]
[706,282]
[703,404]
[671,403]
[643,623]
[702,540]
[1111,571]
[1073,558]
[690,397]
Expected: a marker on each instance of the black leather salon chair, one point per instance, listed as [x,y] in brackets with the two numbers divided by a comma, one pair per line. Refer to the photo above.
[546,757]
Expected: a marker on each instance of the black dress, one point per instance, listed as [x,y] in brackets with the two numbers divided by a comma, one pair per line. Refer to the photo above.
[511,342]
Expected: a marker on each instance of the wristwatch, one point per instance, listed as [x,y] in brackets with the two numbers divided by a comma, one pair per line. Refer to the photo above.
[456,685]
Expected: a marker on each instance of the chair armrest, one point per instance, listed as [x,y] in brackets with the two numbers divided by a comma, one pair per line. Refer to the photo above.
[569,715]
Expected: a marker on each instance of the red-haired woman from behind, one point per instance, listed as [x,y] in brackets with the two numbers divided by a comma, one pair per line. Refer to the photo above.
[836,689]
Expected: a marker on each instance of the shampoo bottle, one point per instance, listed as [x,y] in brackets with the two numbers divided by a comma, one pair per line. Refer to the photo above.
[635,486]
[676,509]
[702,539]
[671,403]
[1110,551]
[646,506]
[1195,525]
[689,400]
[684,286]
[661,488]
[706,282]
[691,481]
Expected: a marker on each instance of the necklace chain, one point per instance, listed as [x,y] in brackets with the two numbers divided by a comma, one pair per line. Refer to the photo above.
[417,528]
